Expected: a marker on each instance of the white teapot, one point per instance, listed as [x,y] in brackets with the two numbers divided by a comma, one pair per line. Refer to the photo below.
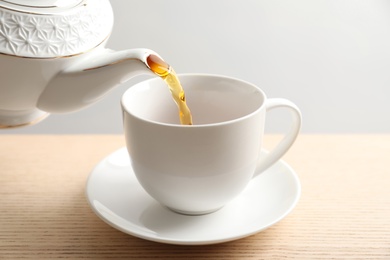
[53,59]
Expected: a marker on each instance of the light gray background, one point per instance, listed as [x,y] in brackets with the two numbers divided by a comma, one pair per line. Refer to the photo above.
[330,57]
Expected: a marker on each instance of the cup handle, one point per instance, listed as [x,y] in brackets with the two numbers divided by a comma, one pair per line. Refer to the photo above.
[285,144]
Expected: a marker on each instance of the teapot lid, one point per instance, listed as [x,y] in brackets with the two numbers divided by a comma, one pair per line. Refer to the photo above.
[53,28]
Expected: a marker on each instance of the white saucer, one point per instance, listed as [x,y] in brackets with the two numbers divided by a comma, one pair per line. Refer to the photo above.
[116,197]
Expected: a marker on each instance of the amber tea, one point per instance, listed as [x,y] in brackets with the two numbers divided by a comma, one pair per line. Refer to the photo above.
[166,72]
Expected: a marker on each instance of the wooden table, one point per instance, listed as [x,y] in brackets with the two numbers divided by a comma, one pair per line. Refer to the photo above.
[344,211]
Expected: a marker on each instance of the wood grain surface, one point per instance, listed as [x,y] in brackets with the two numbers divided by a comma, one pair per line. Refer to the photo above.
[344,211]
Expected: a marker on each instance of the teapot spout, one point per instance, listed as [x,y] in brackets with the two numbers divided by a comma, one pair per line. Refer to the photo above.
[89,79]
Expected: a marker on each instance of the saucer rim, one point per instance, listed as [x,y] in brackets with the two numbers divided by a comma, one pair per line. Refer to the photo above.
[195,242]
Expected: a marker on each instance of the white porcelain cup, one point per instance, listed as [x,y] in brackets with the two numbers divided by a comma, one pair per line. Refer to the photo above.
[197,169]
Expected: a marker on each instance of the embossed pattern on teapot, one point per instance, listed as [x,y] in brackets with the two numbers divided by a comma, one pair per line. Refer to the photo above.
[42,31]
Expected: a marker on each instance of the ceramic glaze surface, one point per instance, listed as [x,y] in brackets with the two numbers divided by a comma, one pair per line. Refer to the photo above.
[117,198]
[197,169]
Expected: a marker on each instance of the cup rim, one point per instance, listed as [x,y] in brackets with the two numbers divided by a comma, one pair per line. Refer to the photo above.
[180,75]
